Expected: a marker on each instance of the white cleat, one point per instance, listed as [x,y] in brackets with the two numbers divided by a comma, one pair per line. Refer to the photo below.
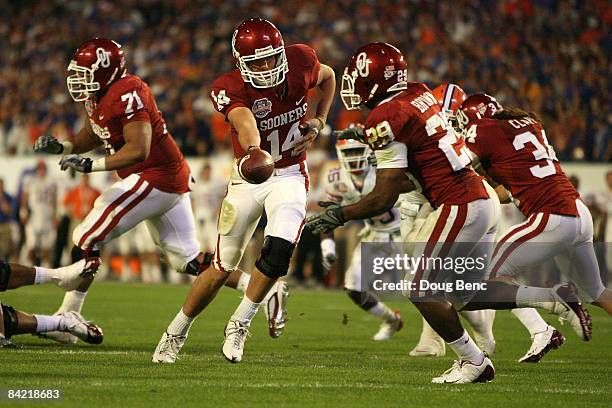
[428,350]
[71,276]
[168,348]
[78,327]
[389,328]
[464,372]
[236,333]
[275,308]
[543,342]
[569,309]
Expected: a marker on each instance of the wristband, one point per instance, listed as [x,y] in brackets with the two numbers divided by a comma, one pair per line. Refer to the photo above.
[99,164]
[67,148]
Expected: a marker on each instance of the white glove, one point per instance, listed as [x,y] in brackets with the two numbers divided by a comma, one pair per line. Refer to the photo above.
[328,250]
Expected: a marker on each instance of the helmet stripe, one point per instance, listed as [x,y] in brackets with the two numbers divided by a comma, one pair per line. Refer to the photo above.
[448,97]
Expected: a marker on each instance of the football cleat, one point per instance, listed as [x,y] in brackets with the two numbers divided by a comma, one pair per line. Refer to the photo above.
[569,309]
[76,325]
[168,348]
[275,308]
[236,333]
[543,342]
[464,372]
[6,343]
[69,277]
[389,328]
[428,350]
[59,336]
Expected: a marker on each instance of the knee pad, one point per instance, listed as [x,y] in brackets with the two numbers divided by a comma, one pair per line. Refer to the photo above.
[10,320]
[195,267]
[364,300]
[5,274]
[275,256]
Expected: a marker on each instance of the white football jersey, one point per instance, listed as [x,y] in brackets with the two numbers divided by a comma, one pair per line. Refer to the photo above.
[341,189]
[207,197]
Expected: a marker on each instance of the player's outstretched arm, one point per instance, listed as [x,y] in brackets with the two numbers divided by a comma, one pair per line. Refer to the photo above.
[84,141]
[243,121]
[137,136]
[389,185]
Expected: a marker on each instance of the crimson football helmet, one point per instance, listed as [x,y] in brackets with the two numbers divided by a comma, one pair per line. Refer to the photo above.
[475,107]
[450,97]
[255,39]
[374,70]
[96,64]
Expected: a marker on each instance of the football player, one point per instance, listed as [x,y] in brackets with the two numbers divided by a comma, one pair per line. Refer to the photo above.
[409,132]
[123,118]
[544,337]
[265,102]
[13,322]
[345,185]
[511,146]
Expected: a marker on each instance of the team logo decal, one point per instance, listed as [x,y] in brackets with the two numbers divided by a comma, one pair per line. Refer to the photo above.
[389,71]
[363,65]
[261,108]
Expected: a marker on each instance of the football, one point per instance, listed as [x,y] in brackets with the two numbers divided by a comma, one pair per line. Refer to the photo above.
[256,167]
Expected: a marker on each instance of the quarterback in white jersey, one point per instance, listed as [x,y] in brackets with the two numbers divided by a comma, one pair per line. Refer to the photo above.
[346,185]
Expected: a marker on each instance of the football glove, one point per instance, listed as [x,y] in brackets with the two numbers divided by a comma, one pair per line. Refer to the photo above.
[327,220]
[351,132]
[76,162]
[48,144]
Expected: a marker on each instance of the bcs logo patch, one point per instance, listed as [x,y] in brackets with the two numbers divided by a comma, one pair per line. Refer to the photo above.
[261,108]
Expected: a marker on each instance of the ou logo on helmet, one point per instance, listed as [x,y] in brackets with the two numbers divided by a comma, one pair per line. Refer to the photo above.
[362,65]
[103,57]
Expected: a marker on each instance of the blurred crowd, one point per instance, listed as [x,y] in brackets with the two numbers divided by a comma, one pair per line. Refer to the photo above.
[548,56]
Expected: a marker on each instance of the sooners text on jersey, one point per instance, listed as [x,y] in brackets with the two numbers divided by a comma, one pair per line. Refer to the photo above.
[129,99]
[278,116]
[437,157]
[516,154]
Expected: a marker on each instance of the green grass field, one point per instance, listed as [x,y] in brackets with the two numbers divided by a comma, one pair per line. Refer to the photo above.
[319,362]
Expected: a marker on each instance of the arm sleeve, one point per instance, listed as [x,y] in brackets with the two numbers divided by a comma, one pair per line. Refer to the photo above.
[225,98]
[393,156]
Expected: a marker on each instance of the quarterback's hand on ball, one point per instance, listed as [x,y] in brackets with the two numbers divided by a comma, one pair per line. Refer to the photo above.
[328,250]
[354,132]
[48,144]
[76,162]
[327,220]
[310,130]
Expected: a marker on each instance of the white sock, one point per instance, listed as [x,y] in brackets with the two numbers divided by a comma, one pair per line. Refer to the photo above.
[381,310]
[535,297]
[73,301]
[47,323]
[246,310]
[531,319]
[181,324]
[43,275]
[466,349]
[243,282]
[481,321]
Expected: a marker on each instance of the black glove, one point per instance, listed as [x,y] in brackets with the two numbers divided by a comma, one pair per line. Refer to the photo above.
[48,144]
[352,132]
[327,220]
[76,162]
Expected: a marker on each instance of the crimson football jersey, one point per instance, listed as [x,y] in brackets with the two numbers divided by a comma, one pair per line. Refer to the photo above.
[516,153]
[129,99]
[278,116]
[432,151]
